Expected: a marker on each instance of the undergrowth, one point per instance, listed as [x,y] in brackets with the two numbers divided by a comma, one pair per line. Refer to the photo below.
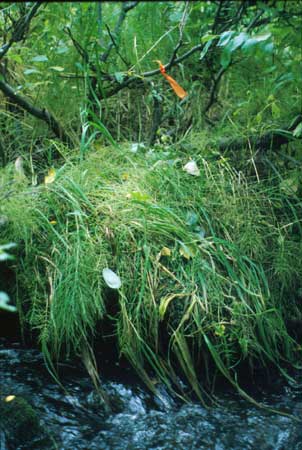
[208,263]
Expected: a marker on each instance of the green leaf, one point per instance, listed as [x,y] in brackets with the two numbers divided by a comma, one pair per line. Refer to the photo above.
[62,50]
[5,256]
[268,48]
[205,49]
[100,127]
[16,58]
[237,41]
[30,71]
[209,37]
[249,44]
[192,218]
[119,76]
[135,195]
[282,132]
[57,68]
[80,66]
[225,57]
[39,58]
[254,40]
[275,111]
[262,37]
[290,185]
[225,37]
[298,131]
[8,246]
[175,16]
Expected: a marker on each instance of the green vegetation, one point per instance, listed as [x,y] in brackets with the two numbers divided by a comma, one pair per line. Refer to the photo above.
[195,204]
[207,260]
[21,425]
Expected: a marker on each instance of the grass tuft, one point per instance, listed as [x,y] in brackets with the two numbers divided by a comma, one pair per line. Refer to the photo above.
[206,263]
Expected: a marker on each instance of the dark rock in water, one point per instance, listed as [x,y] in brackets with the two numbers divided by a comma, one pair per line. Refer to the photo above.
[20,425]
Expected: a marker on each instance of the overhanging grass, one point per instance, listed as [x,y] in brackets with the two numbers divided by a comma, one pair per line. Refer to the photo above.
[199,259]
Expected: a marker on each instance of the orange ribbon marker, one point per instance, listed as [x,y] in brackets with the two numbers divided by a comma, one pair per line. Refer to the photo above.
[179,91]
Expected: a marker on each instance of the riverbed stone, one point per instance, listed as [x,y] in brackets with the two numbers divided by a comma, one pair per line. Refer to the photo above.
[21,425]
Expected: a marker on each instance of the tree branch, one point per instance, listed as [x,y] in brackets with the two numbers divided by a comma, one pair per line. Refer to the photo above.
[116,46]
[41,114]
[81,51]
[181,29]
[131,80]
[216,81]
[270,140]
[255,20]
[20,29]
[126,7]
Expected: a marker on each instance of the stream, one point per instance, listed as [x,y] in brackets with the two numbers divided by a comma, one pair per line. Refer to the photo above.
[140,421]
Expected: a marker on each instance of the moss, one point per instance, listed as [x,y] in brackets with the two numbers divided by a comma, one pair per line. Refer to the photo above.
[21,425]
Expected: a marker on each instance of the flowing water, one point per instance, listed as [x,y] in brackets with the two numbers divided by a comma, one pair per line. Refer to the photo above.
[76,419]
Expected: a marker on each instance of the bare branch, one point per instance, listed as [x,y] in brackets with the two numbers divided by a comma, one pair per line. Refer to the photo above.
[181,28]
[116,46]
[20,29]
[217,17]
[255,20]
[175,62]
[273,139]
[214,87]
[126,7]
[82,52]
[41,114]
[128,81]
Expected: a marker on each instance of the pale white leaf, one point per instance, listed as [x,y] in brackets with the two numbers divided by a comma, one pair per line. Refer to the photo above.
[4,300]
[111,278]
[19,166]
[192,169]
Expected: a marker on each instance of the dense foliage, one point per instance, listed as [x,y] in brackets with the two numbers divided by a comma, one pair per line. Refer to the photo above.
[194,202]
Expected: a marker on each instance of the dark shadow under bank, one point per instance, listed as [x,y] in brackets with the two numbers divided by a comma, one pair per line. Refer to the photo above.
[253,379]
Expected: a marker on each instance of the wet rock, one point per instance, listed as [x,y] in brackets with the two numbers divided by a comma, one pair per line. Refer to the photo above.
[20,425]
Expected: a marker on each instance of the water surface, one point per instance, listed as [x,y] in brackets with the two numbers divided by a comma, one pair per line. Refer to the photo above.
[77,421]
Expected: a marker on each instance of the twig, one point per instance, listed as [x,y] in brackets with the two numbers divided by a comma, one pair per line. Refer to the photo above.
[255,20]
[116,46]
[130,80]
[217,17]
[214,88]
[181,28]
[41,114]
[82,52]
[126,7]
[271,140]
[20,28]
[217,78]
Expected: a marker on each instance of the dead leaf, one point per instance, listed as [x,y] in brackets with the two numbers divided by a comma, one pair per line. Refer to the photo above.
[165,251]
[125,176]
[50,177]
[187,251]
